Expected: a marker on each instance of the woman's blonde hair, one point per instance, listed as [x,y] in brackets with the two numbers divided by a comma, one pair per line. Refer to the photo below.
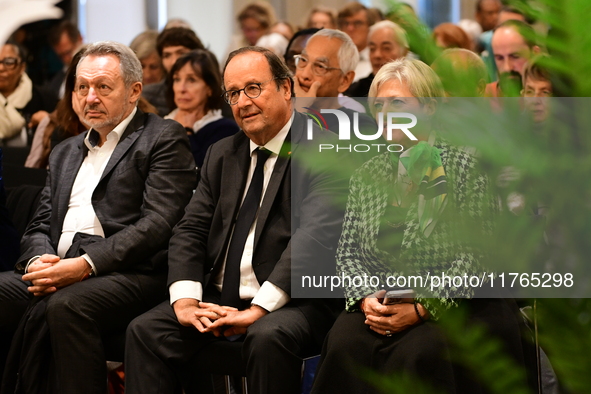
[421,80]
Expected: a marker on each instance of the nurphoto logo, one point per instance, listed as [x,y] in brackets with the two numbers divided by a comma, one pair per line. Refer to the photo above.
[344,130]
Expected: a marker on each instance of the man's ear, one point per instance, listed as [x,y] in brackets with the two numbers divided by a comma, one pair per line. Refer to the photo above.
[346,81]
[136,92]
[287,85]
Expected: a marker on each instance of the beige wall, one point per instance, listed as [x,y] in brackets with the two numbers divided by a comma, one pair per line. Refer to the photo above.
[468,9]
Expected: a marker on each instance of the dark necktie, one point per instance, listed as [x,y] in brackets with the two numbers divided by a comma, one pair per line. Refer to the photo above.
[246,215]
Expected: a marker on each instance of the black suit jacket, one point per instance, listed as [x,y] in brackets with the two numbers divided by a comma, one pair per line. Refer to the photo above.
[297,224]
[138,200]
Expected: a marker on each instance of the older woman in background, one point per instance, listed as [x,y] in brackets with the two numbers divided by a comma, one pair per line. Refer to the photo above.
[194,88]
[144,46]
[19,99]
[403,215]
[321,17]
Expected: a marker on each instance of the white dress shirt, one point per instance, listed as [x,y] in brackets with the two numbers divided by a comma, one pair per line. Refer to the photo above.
[81,217]
[267,295]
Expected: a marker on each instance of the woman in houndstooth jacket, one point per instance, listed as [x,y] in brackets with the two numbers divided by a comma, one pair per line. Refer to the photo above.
[406,218]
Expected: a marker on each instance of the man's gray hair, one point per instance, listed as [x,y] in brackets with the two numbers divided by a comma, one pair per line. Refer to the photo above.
[131,68]
[348,53]
[399,32]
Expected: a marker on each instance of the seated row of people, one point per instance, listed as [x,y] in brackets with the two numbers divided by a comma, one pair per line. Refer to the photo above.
[118,217]
[112,223]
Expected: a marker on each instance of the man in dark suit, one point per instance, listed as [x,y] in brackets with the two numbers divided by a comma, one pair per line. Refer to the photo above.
[95,253]
[248,294]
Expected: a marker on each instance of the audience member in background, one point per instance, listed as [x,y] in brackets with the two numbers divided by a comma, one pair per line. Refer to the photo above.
[64,122]
[255,21]
[402,14]
[9,238]
[387,42]
[58,125]
[509,13]
[171,44]
[537,89]
[462,73]
[487,13]
[144,46]
[19,99]
[448,35]
[322,17]
[296,45]
[417,33]
[284,28]
[513,45]
[194,88]
[355,20]
[323,71]
[376,14]
[177,22]
[484,41]
[275,42]
[66,40]
[473,30]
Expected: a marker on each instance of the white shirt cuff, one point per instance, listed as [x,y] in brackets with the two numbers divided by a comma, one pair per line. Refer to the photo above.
[185,289]
[31,260]
[89,260]
[270,297]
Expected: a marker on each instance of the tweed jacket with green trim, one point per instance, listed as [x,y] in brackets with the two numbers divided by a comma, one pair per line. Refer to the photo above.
[449,249]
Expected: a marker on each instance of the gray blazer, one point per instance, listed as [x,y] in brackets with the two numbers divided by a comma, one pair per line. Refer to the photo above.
[138,200]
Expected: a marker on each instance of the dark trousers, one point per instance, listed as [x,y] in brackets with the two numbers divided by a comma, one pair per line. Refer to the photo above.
[421,351]
[78,317]
[159,351]
[14,299]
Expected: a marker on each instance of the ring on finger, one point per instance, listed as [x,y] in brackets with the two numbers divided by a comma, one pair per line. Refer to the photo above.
[388,333]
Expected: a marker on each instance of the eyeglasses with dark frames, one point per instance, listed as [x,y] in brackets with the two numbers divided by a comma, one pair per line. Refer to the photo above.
[317,67]
[10,63]
[252,91]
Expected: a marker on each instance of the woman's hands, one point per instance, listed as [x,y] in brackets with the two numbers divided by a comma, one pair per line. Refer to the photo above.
[390,319]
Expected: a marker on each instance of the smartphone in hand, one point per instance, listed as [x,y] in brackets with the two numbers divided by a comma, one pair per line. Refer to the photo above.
[405,296]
